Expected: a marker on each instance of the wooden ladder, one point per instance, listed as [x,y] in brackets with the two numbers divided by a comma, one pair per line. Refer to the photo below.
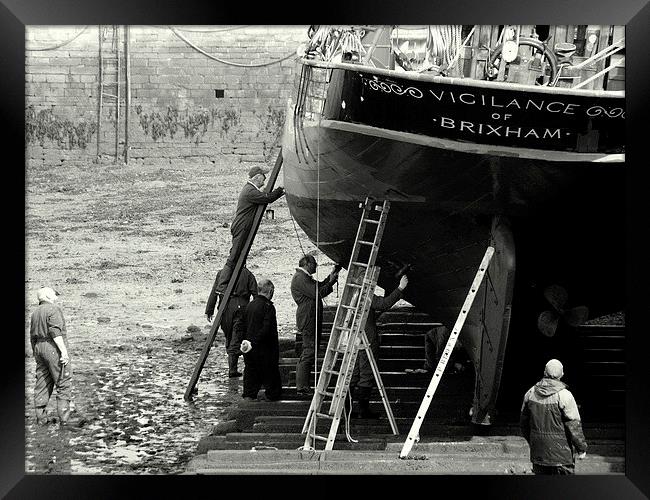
[348,336]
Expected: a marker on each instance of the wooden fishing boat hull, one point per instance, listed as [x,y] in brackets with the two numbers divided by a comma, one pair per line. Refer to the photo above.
[555,215]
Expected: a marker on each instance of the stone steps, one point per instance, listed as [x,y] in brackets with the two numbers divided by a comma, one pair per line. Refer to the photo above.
[449,442]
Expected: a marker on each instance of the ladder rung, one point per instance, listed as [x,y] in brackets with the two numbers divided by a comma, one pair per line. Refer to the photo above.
[332,372]
[320,438]
[325,393]
[362,264]
[325,415]
[353,285]
[362,242]
[373,221]
[342,328]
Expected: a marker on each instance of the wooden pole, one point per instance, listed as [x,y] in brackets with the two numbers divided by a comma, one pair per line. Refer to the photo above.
[100,92]
[259,213]
[127,82]
[117,91]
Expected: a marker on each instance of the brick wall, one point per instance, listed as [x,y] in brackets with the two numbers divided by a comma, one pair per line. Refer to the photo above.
[185,104]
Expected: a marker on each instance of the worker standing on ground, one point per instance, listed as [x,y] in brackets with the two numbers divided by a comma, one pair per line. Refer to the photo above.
[53,369]
[250,198]
[363,380]
[308,294]
[245,288]
[550,423]
[260,346]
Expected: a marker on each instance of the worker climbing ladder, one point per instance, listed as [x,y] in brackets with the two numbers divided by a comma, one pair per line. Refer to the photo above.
[259,213]
[348,337]
[414,433]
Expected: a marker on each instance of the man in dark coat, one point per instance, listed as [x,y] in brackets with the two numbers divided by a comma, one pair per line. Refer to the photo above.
[245,288]
[260,345]
[309,315]
[363,380]
[250,197]
[550,423]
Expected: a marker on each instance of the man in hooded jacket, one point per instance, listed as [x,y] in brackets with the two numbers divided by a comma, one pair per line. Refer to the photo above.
[550,423]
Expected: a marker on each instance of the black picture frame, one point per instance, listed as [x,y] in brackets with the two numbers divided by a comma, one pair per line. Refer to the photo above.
[16,14]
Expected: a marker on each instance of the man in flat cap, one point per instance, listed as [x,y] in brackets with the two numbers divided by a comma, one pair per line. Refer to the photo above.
[49,343]
[250,198]
[550,423]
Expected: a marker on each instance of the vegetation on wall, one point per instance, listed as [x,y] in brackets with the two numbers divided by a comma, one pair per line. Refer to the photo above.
[194,124]
[272,124]
[44,124]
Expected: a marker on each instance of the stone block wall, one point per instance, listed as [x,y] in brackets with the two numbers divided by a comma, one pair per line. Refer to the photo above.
[198,93]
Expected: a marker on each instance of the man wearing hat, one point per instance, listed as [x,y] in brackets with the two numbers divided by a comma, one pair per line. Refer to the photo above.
[49,343]
[550,423]
[250,198]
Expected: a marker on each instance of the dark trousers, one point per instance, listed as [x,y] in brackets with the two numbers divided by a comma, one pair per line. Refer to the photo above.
[554,470]
[262,370]
[50,373]
[233,338]
[362,375]
[238,241]
[306,361]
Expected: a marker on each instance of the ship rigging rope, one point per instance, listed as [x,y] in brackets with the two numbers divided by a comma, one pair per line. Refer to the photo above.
[221,30]
[230,63]
[297,235]
[54,47]
[320,117]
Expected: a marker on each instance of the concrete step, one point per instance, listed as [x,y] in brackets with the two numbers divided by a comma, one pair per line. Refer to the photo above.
[377,462]
[477,445]
[281,441]
[430,428]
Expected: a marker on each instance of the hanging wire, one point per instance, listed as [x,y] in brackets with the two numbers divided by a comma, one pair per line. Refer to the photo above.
[297,235]
[54,47]
[230,63]
[320,117]
[348,414]
[222,30]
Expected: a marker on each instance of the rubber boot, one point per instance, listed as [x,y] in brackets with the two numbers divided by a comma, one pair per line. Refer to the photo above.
[363,395]
[41,415]
[365,411]
[232,366]
[66,421]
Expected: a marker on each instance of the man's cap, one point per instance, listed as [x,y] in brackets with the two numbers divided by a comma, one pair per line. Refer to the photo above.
[256,170]
[46,294]
[554,369]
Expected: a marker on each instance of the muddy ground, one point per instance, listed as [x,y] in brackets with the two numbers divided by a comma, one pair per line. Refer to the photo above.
[133,250]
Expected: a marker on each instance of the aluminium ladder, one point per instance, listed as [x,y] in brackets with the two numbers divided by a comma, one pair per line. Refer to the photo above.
[414,433]
[347,336]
